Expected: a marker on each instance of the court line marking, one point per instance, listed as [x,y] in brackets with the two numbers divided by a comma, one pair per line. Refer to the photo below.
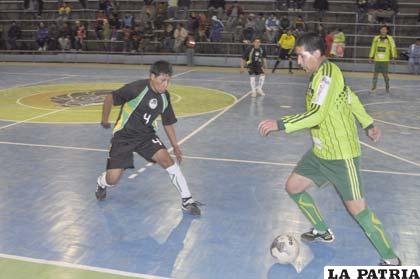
[196,158]
[81,267]
[33,83]
[29,119]
[208,122]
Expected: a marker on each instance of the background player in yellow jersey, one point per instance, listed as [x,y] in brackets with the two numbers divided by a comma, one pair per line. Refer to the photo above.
[382,50]
[286,46]
[331,112]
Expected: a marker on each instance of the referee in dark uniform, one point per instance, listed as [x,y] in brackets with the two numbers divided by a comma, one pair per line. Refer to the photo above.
[141,102]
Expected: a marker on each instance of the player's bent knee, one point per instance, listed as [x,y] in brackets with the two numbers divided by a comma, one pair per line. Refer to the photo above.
[354,207]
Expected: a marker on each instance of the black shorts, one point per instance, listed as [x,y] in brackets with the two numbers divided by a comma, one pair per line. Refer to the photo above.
[121,151]
[284,54]
[255,70]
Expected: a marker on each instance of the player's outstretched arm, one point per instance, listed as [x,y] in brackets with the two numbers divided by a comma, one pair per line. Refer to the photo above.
[170,132]
[106,110]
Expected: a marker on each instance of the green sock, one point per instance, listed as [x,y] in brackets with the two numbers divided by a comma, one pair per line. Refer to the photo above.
[309,209]
[375,232]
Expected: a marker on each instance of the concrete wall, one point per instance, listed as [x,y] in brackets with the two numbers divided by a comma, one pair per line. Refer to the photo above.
[177,59]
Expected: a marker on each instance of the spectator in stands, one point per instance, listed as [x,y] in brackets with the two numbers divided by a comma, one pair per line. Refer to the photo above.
[203,27]
[42,37]
[260,25]
[99,25]
[193,25]
[216,29]
[13,34]
[414,57]
[128,21]
[383,49]
[339,43]
[3,44]
[161,15]
[322,6]
[172,9]
[53,37]
[168,40]
[149,8]
[104,5]
[329,39]
[250,21]
[247,36]
[284,24]
[216,6]
[418,19]
[180,34]
[299,24]
[183,8]
[114,22]
[362,7]
[233,13]
[127,38]
[272,26]
[65,36]
[80,35]
[64,12]
[320,30]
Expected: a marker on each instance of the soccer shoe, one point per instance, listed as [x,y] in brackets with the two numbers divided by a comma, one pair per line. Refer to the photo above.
[290,72]
[314,235]
[391,262]
[260,92]
[191,206]
[100,193]
[253,93]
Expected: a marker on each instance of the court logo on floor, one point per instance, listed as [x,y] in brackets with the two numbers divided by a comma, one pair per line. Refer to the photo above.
[84,98]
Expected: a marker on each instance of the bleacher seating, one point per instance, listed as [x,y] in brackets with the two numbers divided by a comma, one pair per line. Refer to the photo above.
[341,14]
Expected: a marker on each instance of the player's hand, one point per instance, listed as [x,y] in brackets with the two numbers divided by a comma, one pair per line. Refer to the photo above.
[374,134]
[105,125]
[267,126]
[242,70]
[178,154]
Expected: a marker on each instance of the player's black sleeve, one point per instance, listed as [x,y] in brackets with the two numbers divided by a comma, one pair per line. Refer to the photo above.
[246,54]
[128,92]
[168,116]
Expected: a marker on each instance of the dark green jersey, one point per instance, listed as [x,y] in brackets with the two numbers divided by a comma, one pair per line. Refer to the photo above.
[331,111]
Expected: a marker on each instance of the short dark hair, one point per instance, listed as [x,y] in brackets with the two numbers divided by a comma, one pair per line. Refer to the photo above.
[311,42]
[161,67]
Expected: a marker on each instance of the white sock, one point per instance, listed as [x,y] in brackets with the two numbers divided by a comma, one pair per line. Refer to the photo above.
[102,181]
[252,82]
[178,180]
[261,81]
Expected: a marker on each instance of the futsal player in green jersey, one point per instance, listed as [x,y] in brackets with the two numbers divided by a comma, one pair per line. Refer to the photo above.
[332,109]
[382,50]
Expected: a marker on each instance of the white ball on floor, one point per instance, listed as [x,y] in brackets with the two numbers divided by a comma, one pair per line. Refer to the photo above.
[285,249]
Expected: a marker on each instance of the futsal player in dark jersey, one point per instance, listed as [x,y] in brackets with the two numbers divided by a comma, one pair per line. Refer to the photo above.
[141,102]
[255,60]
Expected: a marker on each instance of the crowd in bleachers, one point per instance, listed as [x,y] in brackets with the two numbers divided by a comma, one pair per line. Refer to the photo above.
[171,25]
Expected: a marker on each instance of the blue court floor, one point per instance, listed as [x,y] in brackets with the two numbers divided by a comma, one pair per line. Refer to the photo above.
[48,174]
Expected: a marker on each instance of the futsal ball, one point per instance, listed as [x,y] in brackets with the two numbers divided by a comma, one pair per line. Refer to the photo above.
[285,249]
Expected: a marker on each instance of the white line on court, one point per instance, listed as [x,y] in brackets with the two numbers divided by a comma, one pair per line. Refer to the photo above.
[390,154]
[34,83]
[398,125]
[82,267]
[29,119]
[183,73]
[197,158]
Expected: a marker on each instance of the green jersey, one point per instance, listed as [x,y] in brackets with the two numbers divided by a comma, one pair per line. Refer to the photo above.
[383,49]
[332,108]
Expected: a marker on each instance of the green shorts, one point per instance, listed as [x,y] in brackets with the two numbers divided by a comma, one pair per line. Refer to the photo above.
[381,67]
[343,174]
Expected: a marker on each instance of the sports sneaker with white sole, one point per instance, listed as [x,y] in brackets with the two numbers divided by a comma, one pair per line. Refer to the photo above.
[314,235]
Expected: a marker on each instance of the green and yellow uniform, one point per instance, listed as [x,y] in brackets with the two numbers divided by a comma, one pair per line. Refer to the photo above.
[332,109]
[382,50]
